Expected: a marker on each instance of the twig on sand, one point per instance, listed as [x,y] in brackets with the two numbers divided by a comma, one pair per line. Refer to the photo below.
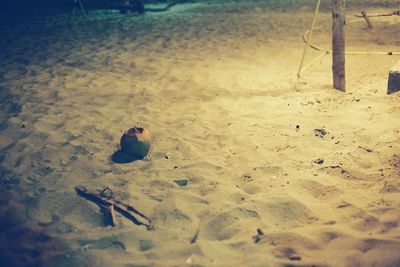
[366,149]
[112,214]
[258,236]
[107,200]
[194,238]
[342,170]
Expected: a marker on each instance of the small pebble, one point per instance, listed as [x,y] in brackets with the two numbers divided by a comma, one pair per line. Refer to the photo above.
[319,161]
[257,237]
[295,258]
[320,132]
[183,182]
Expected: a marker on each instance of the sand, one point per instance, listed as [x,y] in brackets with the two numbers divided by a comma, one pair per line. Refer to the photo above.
[216,86]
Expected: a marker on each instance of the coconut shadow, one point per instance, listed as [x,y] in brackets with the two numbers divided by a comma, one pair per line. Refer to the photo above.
[120,157]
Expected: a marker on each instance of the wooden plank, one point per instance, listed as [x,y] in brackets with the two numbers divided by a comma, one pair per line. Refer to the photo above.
[394,79]
[338,45]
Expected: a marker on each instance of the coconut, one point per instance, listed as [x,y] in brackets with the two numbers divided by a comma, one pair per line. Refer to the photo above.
[136,142]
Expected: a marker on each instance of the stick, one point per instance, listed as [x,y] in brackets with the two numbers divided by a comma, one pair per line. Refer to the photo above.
[342,170]
[194,238]
[394,13]
[309,38]
[338,45]
[125,209]
[113,218]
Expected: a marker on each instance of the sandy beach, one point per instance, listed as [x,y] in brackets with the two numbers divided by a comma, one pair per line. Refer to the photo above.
[250,166]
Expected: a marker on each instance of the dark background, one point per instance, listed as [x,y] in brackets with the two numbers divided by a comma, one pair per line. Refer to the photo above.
[16,7]
[10,9]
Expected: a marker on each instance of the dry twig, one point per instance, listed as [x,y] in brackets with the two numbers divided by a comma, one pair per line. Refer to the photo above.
[106,199]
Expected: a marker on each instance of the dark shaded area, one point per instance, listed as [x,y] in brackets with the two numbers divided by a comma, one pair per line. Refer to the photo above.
[15,10]
[8,180]
[134,6]
[18,9]
[11,10]
[121,157]
[24,243]
[9,105]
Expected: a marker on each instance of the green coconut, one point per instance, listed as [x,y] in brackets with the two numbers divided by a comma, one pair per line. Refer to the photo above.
[136,142]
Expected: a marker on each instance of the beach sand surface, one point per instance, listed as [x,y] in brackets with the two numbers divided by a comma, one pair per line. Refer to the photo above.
[250,166]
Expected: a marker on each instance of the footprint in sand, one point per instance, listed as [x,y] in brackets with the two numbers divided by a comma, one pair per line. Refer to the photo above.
[226,225]
[319,190]
[285,212]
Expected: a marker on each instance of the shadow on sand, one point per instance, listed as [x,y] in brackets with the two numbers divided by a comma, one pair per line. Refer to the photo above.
[24,242]
[121,157]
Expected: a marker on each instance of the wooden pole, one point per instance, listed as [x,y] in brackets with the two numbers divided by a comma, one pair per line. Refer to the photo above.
[366,17]
[338,45]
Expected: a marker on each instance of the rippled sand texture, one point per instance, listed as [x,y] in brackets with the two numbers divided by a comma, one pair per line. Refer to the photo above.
[216,86]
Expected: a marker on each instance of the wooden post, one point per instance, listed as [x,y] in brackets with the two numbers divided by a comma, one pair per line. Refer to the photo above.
[367,20]
[338,45]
